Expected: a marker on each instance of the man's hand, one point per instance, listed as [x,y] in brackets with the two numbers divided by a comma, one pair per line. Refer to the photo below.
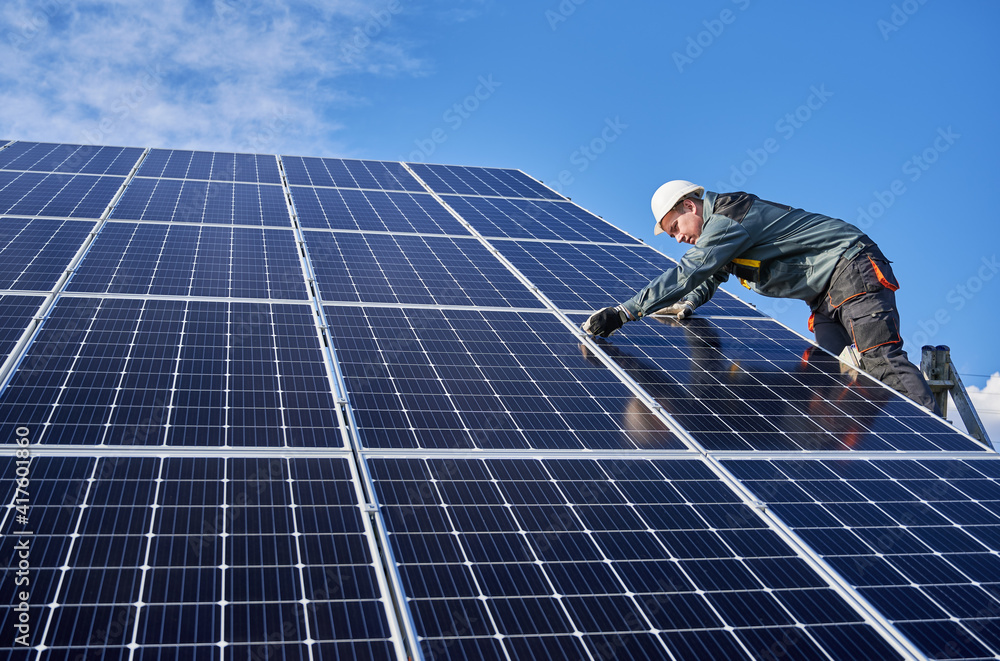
[682,309]
[605,322]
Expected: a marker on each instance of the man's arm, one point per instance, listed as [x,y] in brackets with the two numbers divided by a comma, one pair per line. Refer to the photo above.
[699,272]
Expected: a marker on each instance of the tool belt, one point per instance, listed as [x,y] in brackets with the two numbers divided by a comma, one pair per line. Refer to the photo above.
[746,270]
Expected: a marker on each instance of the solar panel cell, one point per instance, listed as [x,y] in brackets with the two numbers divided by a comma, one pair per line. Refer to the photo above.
[481,181]
[181,260]
[529,219]
[403,269]
[541,571]
[203,202]
[87,159]
[345,209]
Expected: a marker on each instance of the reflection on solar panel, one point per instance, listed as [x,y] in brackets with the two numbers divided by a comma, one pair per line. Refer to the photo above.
[481,379]
[317,408]
[588,276]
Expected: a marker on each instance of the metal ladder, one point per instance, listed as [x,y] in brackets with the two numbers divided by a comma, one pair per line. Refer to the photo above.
[942,377]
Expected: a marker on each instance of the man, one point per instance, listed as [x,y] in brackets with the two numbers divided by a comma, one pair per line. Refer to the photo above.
[781,252]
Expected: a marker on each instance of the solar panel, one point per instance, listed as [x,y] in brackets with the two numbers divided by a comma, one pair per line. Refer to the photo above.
[193,201]
[483,379]
[130,371]
[345,173]
[16,313]
[233,553]
[85,159]
[534,219]
[39,194]
[216,166]
[588,276]
[192,260]
[499,182]
[569,558]
[347,209]
[751,384]
[35,252]
[291,407]
[919,539]
[407,269]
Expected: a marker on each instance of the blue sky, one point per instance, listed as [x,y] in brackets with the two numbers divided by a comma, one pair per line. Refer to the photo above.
[881,113]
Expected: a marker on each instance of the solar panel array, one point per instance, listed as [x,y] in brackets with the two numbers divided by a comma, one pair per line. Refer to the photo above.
[317,408]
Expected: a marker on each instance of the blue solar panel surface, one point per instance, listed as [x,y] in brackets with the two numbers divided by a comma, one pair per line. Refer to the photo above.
[16,313]
[377,211]
[124,371]
[749,384]
[405,269]
[192,260]
[195,555]
[188,201]
[344,173]
[588,276]
[570,558]
[86,159]
[318,416]
[34,253]
[920,539]
[488,380]
[216,166]
[534,219]
[64,195]
[460,180]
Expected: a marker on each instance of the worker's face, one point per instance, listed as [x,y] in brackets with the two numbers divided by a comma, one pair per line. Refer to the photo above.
[684,224]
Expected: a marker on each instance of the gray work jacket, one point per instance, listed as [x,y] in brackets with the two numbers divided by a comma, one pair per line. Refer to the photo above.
[797,251]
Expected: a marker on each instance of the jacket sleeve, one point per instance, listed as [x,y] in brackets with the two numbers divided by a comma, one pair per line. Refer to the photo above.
[701,268]
[706,290]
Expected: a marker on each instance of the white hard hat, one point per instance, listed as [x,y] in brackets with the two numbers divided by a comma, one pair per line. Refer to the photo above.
[667,195]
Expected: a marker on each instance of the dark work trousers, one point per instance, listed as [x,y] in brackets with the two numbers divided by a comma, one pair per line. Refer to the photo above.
[859,307]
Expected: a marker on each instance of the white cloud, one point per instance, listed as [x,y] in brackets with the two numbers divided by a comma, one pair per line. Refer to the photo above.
[248,75]
[987,403]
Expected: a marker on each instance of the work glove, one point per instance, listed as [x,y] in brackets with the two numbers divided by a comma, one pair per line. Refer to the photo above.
[682,309]
[605,322]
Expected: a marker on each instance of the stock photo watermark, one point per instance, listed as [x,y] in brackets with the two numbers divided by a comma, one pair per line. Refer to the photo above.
[362,35]
[898,17]
[562,12]
[958,297]
[586,154]
[124,105]
[914,168]
[714,27]
[22,549]
[37,22]
[455,116]
[786,127]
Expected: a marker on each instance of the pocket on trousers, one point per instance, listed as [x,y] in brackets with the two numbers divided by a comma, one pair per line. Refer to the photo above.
[882,270]
[846,284]
[874,330]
